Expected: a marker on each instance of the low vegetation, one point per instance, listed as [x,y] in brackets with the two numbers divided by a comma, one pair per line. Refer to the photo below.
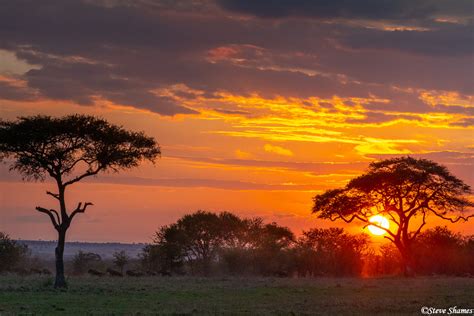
[208,244]
[249,296]
[11,253]
[204,243]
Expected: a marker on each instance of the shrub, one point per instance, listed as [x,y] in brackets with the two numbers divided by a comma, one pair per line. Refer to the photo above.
[11,253]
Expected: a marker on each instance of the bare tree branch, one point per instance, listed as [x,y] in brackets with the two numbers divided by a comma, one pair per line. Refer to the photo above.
[365,220]
[50,213]
[368,223]
[67,170]
[452,220]
[87,174]
[54,195]
[393,218]
[57,216]
[419,228]
[79,209]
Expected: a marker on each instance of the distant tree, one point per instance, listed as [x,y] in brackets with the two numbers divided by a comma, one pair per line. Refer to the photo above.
[203,239]
[441,251]
[82,261]
[331,251]
[235,231]
[401,189]
[269,248]
[11,252]
[69,149]
[272,237]
[167,253]
[239,247]
[197,237]
[390,259]
[121,259]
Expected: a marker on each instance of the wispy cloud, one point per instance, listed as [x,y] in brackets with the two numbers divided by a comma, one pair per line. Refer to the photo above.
[277,150]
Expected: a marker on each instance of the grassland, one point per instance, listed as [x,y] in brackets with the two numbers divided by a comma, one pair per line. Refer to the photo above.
[183,295]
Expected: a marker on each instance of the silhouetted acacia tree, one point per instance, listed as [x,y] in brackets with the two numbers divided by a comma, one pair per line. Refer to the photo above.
[69,149]
[401,189]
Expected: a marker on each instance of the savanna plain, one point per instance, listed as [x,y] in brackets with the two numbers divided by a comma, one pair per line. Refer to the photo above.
[34,295]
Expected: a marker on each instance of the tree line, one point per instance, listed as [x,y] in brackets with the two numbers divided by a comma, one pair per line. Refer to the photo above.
[210,244]
[205,243]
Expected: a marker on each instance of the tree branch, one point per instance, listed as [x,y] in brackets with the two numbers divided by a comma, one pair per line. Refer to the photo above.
[393,218]
[363,220]
[79,209]
[452,220]
[419,228]
[87,174]
[50,213]
[368,223]
[57,216]
[54,195]
[67,170]
[339,216]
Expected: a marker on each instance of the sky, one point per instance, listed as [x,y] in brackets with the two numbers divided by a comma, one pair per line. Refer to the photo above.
[257,105]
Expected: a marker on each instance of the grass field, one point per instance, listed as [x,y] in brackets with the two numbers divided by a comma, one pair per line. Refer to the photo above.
[183,295]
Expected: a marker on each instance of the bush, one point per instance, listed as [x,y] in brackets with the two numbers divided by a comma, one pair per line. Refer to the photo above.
[11,253]
[331,252]
[121,259]
[83,261]
[441,251]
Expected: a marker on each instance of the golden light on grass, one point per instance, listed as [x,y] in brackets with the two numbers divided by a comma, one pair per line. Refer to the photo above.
[379,222]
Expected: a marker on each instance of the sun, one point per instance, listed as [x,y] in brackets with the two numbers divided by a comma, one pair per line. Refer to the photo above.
[381,221]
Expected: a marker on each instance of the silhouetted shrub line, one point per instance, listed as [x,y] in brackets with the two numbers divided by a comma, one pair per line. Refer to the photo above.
[205,243]
[248,247]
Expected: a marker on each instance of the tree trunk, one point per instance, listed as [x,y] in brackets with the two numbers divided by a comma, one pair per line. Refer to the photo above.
[408,266]
[59,253]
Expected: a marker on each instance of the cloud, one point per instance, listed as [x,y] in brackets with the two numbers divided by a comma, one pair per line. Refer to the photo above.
[208,183]
[9,91]
[84,52]
[438,41]
[316,168]
[362,9]
[240,154]
[277,150]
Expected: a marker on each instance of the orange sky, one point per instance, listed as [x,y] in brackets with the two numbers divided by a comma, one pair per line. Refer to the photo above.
[207,164]
[255,114]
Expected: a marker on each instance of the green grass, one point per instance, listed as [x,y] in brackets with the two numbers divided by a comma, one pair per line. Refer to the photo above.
[184,295]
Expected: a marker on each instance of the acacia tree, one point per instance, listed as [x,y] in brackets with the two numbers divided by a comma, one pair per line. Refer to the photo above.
[400,189]
[69,149]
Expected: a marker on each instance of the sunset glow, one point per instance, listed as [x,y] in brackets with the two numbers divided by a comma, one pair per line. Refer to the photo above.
[256,111]
[379,222]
